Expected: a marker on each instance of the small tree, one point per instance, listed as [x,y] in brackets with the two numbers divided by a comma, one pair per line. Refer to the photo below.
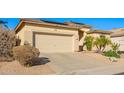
[88,41]
[3,25]
[101,43]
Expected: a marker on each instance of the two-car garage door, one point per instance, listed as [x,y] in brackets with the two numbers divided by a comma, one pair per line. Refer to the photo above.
[53,42]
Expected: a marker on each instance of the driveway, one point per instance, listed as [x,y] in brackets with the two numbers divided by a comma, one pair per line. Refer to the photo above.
[68,62]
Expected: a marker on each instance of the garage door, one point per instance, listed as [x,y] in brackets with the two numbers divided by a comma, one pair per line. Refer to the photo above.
[54,42]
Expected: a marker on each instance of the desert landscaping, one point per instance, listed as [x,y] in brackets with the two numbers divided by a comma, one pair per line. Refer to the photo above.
[79,64]
[14,68]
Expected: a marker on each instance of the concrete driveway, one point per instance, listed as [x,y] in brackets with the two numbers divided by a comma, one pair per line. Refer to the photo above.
[67,62]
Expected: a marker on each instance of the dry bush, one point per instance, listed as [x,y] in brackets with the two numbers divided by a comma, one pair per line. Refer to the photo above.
[7,42]
[25,54]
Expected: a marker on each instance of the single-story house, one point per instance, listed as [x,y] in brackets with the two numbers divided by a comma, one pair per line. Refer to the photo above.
[52,36]
[118,37]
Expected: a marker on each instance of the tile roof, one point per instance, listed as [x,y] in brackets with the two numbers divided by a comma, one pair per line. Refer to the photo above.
[99,31]
[71,25]
[118,32]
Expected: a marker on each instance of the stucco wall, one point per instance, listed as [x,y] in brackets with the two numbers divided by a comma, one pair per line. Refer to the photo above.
[21,35]
[82,34]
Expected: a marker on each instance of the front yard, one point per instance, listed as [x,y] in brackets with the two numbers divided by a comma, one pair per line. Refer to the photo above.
[14,68]
[83,63]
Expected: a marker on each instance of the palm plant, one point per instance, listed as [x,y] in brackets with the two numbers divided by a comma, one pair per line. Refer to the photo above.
[3,24]
[101,43]
[88,41]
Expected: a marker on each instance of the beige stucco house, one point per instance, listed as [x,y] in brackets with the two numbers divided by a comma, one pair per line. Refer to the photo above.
[52,36]
[118,37]
[55,37]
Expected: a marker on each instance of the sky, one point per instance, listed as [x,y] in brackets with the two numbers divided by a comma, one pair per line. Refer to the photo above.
[96,23]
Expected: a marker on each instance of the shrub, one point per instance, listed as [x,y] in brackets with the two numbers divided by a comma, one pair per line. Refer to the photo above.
[101,43]
[25,54]
[7,42]
[89,42]
[111,53]
[115,46]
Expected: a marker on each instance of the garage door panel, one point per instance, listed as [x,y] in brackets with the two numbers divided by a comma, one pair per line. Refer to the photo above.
[54,42]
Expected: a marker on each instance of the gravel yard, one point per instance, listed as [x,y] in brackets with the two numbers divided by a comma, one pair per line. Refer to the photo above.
[14,68]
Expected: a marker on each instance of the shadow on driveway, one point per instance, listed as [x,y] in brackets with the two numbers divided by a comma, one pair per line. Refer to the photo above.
[122,73]
[40,61]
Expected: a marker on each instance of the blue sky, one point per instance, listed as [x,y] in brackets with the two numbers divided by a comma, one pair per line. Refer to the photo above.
[96,23]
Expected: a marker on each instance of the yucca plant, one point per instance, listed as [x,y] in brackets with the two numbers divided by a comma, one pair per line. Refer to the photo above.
[115,46]
[88,41]
[101,43]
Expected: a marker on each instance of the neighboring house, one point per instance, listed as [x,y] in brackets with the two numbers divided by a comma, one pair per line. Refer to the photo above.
[118,37]
[98,33]
[52,36]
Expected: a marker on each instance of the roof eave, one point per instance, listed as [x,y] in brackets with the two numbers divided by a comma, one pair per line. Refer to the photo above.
[18,26]
[39,23]
[120,35]
[98,32]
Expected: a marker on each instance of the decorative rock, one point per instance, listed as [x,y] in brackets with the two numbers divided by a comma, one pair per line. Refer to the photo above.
[113,59]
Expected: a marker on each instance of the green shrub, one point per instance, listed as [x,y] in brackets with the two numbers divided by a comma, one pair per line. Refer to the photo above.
[89,42]
[111,53]
[115,46]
